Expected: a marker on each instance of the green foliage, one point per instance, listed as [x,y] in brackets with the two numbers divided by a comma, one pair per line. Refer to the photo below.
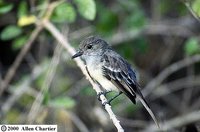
[141,45]
[10,32]
[126,50]
[136,20]
[62,102]
[87,8]
[129,5]
[12,116]
[45,100]
[5,7]
[131,108]
[26,100]
[181,9]
[19,42]
[196,7]
[65,12]
[166,7]
[107,21]
[22,9]
[129,49]
[88,91]
[192,46]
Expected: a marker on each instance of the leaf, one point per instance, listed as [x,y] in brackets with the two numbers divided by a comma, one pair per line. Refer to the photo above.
[196,7]
[64,12]
[191,46]
[63,102]
[26,20]
[22,9]
[107,22]
[19,42]
[10,32]
[87,8]
[4,8]
[135,21]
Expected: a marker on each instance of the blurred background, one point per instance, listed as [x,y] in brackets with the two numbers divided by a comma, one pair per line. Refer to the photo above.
[40,84]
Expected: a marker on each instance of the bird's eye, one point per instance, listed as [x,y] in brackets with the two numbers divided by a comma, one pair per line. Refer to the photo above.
[89,46]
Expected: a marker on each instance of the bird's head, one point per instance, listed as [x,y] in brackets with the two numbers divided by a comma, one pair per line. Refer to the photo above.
[91,46]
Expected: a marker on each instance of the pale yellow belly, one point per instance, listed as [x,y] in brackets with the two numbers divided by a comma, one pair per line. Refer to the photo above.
[98,76]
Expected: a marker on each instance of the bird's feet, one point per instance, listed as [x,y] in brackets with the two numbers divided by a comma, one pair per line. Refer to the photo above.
[104,103]
[102,92]
[110,100]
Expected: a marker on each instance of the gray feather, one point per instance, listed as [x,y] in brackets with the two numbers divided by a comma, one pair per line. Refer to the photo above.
[121,74]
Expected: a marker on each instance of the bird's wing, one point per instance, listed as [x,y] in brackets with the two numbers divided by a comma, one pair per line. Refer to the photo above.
[116,69]
[120,73]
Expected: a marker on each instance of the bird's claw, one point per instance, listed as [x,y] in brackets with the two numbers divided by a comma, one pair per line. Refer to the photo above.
[99,94]
[102,92]
[106,102]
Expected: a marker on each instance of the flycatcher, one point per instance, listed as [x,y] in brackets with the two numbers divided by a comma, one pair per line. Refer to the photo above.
[110,70]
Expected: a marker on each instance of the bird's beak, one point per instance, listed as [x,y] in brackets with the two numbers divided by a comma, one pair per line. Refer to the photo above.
[79,53]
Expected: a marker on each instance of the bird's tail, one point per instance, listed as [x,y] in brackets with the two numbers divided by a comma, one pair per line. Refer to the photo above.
[144,103]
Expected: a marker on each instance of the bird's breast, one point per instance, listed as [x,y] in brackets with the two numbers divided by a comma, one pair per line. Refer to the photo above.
[96,72]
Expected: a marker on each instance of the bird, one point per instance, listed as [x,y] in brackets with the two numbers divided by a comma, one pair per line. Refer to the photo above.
[110,70]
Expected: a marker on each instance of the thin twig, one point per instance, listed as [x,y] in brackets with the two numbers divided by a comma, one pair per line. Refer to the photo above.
[133,123]
[64,41]
[50,74]
[176,27]
[77,121]
[188,5]
[169,70]
[12,70]
[20,90]
[176,122]
[187,95]
[50,9]
[170,87]
[196,104]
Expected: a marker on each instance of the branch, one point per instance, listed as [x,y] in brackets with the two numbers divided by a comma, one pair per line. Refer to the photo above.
[169,70]
[134,123]
[12,70]
[46,84]
[181,27]
[171,87]
[64,42]
[176,122]
[23,87]
[80,125]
